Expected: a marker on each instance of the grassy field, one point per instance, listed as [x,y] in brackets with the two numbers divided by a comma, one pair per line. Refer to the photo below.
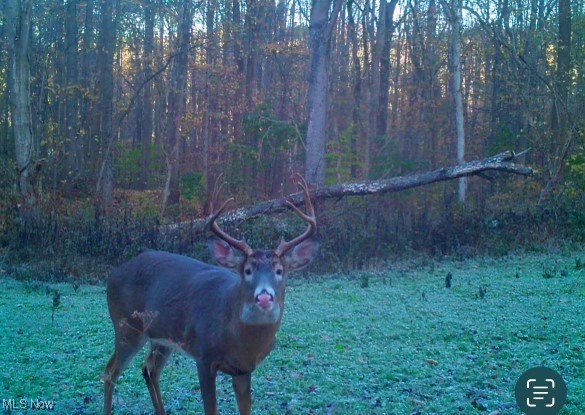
[383,342]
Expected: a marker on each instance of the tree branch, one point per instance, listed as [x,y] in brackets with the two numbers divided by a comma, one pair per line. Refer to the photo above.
[503,162]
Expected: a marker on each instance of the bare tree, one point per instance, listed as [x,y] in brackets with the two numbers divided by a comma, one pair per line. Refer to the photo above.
[145,105]
[71,125]
[453,11]
[18,31]
[356,64]
[87,122]
[105,63]
[561,135]
[321,26]
[386,29]
[176,108]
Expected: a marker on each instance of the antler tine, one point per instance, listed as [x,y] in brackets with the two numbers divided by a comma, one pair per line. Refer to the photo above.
[215,196]
[308,217]
[236,243]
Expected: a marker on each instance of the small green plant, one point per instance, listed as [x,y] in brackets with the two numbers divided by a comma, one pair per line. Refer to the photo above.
[32,286]
[548,272]
[56,304]
[365,280]
[579,264]
[482,292]
[448,280]
[192,187]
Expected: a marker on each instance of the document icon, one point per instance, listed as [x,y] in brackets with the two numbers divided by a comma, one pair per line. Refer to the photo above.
[541,391]
[540,394]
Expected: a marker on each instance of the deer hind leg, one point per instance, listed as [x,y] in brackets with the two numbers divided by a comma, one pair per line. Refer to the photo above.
[243,388]
[124,350]
[151,371]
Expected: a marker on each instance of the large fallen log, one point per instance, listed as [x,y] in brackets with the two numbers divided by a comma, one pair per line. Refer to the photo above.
[503,162]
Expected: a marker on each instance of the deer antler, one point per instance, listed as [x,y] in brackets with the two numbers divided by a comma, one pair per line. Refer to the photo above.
[308,217]
[236,243]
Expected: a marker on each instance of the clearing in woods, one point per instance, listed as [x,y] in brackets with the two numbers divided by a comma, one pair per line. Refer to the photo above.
[381,342]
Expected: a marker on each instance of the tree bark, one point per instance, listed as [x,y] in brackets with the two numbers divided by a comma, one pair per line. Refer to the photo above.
[176,109]
[252,22]
[88,117]
[453,13]
[356,111]
[105,64]
[146,113]
[561,136]
[377,47]
[384,92]
[71,127]
[320,28]
[18,31]
[210,127]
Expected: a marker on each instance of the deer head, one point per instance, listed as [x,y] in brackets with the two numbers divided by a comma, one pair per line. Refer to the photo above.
[263,271]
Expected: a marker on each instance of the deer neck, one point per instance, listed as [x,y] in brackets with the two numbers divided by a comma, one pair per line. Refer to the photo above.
[250,343]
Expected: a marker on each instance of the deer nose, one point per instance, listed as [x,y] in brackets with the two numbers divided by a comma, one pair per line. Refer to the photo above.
[265,300]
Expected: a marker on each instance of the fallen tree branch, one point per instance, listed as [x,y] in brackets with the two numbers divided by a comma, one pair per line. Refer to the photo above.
[503,162]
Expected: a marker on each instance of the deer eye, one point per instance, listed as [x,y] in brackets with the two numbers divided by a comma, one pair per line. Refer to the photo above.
[248,271]
[279,271]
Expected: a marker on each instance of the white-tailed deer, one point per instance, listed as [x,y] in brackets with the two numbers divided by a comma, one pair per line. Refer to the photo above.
[226,321]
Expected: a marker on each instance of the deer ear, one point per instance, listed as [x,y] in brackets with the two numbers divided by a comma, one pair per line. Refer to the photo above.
[225,255]
[301,255]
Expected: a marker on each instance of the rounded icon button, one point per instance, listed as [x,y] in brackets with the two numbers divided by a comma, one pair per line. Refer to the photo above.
[541,391]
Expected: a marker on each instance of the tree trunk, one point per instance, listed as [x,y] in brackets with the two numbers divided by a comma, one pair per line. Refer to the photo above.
[384,92]
[320,28]
[356,111]
[252,27]
[561,136]
[105,64]
[18,31]
[377,49]
[453,13]
[88,117]
[210,127]
[176,109]
[498,66]
[146,121]
[74,148]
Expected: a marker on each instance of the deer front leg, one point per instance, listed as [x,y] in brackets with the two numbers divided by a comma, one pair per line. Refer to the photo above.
[207,384]
[243,388]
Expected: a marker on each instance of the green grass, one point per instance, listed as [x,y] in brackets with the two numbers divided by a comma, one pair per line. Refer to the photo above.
[383,342]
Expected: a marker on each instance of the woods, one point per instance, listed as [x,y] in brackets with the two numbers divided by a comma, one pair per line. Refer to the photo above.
[111,106]
[443,144]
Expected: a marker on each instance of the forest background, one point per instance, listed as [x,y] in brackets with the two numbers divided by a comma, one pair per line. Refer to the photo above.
[117,116]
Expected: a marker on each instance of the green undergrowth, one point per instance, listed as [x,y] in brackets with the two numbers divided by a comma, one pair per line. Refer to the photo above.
[384,342]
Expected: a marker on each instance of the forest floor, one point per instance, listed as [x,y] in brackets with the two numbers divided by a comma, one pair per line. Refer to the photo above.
[380,342]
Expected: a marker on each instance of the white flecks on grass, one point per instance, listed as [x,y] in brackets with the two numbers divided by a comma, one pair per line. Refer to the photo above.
[402,344]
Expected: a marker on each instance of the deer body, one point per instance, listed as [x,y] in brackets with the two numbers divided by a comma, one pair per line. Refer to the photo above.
[227,321]
[174,285]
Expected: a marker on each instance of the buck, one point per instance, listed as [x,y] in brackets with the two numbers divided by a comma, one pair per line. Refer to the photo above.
[225,320]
